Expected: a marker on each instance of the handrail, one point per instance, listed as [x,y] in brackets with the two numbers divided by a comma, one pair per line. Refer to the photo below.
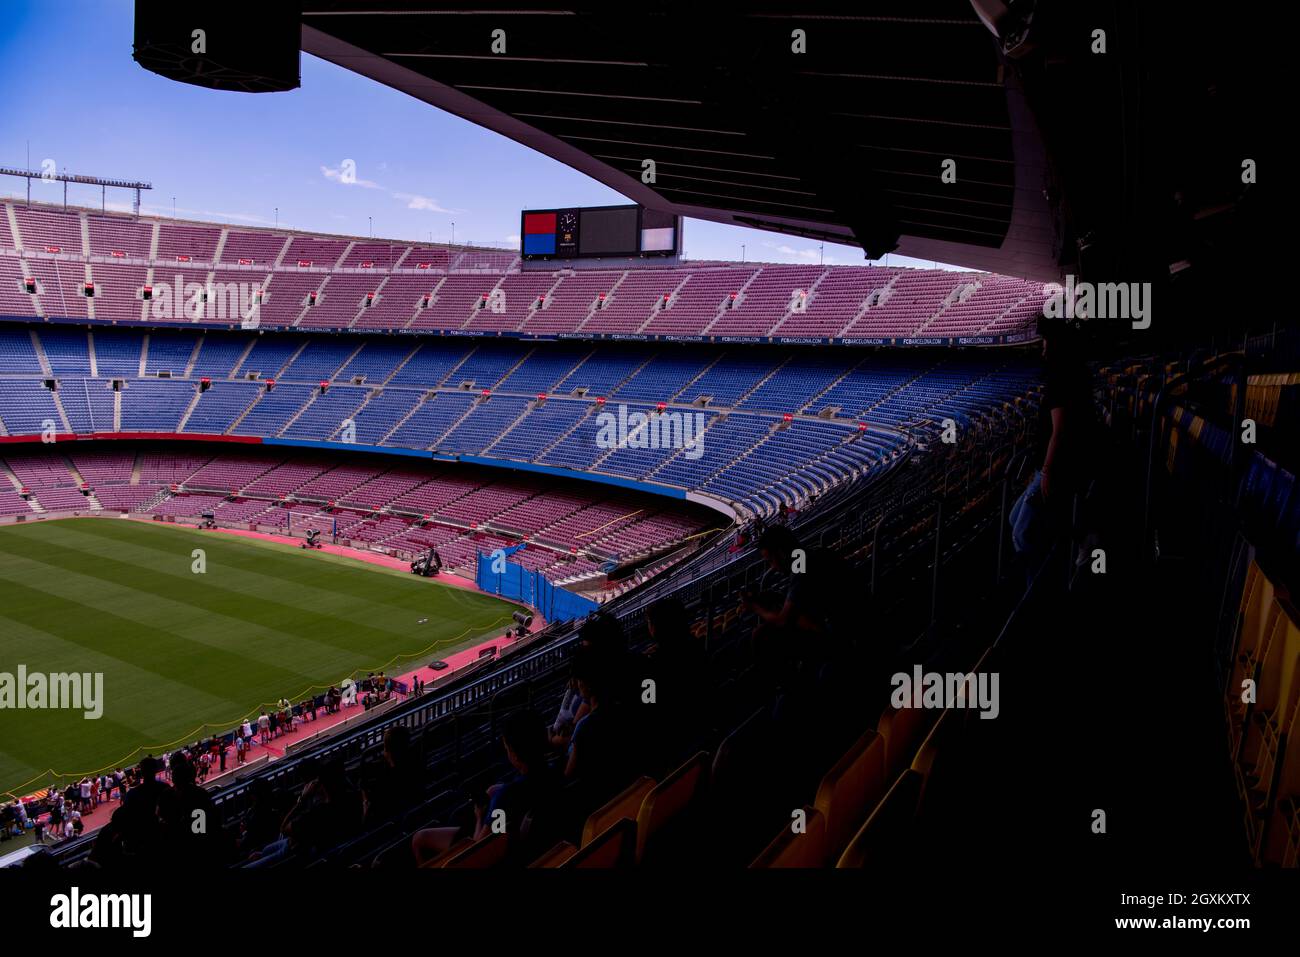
[1165,391]
[470,689]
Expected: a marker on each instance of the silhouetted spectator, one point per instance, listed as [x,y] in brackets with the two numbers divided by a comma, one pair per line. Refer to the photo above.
[192,822]
[809,622]
[327,812]
[139,818]
[41,863]
[395,786]
[603,750]
[603,635]
[1064,447]
[262,822]
[524,804]
[675,663]
[527,799]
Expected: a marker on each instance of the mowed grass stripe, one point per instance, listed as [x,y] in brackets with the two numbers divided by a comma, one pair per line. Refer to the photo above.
[24,753]
[180,650]
[139,614]
[152,702]
[69,741]
[23,733]
[273,560]
[130,641]
[246,609]
[47,652]
[162,596]
[233,566]
[44,640]
[270,559]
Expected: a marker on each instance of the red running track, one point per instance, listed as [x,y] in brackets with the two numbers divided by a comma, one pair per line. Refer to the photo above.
[456,661]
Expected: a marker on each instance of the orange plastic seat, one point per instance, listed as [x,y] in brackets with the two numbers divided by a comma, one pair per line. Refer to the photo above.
[556,856]
[791,848]
[480,855]
[615,847]
[625,804]
[850,789]
[669,802]
[887,829]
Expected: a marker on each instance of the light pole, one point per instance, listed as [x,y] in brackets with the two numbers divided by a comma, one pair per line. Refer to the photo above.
[453,234]
[277,217]
[742,254]
[821,250]
[371,221]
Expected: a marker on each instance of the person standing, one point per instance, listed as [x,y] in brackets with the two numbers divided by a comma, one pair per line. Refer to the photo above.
[1065,443]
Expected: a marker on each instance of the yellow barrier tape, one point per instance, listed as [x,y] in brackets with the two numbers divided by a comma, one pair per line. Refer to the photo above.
[22,789]
[609,523]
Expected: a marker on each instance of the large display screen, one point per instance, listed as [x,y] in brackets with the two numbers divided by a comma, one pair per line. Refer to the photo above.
[609,232]
[598,231]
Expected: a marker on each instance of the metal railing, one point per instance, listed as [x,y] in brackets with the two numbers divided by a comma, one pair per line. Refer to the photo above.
[906,487]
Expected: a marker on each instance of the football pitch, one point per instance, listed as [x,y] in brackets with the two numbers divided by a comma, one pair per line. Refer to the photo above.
[185,653]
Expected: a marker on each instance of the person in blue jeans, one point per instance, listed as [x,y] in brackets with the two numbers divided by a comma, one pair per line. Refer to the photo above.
[1026,516]
[1064,445]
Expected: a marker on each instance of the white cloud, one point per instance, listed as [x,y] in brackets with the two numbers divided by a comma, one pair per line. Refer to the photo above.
[810,255]
[807,254]
[253,219]
[346,175]
[512,240]
[416,201]
[338,176]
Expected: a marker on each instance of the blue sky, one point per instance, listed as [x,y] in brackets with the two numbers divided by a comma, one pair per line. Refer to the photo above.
[75,96]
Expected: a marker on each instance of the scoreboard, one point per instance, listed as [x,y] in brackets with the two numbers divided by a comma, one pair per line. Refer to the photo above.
[595,231]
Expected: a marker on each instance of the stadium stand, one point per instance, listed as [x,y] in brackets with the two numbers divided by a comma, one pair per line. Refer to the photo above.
[652,818]
[499,400]
[379,507]
[390,285]
[823,520]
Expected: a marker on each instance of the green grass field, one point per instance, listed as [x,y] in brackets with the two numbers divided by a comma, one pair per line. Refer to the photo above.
[181,651]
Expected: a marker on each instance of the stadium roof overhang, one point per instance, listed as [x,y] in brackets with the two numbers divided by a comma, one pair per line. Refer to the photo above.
[1103,138]
[833,122]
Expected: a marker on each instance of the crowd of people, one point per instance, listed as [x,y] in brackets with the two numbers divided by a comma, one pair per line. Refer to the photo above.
[58,814]
[626,710]
[379,688]
[622,712]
